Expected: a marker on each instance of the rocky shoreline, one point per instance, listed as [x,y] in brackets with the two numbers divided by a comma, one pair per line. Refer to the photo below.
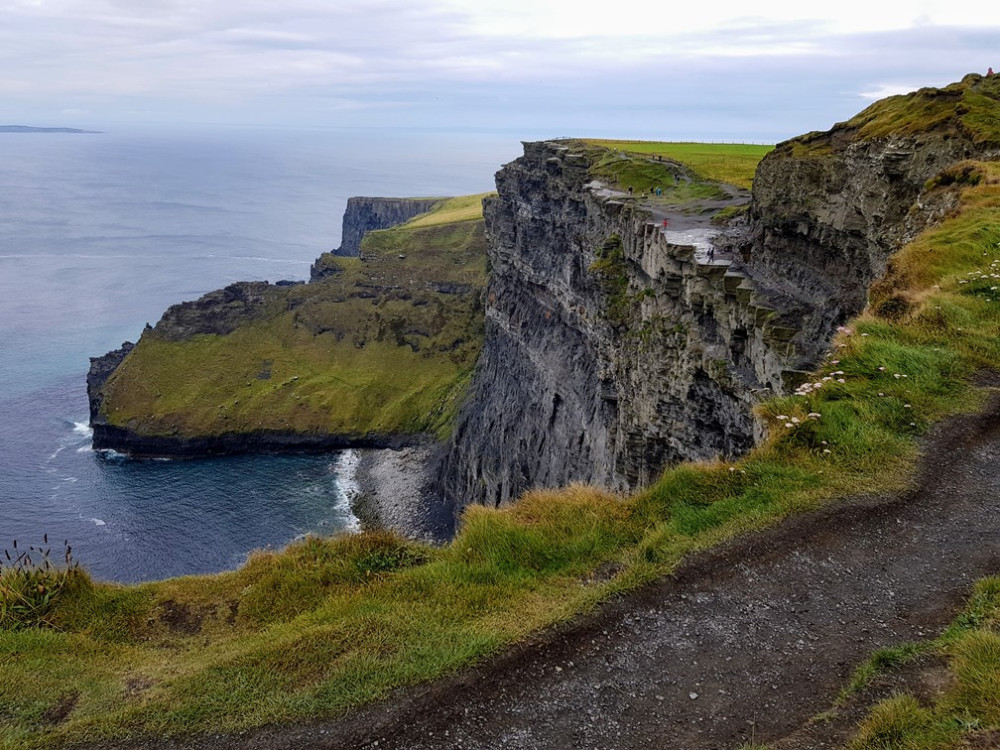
[134,445]
[396,492]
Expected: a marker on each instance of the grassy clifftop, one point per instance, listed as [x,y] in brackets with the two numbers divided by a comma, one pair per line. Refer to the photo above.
[733,163]
[969,108]
[381,344]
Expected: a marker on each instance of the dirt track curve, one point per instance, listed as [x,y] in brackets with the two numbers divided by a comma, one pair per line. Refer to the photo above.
[744,643]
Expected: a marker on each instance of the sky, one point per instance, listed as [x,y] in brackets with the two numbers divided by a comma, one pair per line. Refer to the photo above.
[720,70]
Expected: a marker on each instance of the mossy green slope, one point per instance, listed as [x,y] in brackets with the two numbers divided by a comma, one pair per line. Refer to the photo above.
[383,344]
[969,108]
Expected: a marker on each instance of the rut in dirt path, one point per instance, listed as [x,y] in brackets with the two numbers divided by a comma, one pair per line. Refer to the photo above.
[745,643]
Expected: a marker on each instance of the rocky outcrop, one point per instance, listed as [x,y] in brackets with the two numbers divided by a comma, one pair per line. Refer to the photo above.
[219,312]
[614,348]
[100,370]
[367,214]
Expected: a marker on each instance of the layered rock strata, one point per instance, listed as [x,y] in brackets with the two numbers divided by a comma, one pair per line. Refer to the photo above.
[614,347]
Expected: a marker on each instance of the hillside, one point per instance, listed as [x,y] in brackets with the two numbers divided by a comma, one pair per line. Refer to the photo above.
[265,366]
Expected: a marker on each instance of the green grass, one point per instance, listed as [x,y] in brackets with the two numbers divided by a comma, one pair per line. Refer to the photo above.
[381,346]
[451,211]
[331,623]
[967,708]
[969,108]
[733,163]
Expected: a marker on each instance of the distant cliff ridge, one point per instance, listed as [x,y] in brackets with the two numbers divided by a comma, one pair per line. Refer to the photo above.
[624,331]
[29,129]
[367,214]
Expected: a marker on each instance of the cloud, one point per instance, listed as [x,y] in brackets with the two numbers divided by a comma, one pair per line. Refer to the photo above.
[509,62]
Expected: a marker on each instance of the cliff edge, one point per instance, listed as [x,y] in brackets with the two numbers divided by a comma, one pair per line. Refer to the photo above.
[616,345]
[364,215]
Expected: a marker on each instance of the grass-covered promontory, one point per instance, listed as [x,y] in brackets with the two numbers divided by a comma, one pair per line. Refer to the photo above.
[380,344]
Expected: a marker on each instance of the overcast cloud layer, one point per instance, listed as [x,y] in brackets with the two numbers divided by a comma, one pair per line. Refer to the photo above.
[557,68]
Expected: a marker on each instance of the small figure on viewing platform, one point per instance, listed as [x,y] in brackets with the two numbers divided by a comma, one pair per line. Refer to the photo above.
[989,72]
[665,223]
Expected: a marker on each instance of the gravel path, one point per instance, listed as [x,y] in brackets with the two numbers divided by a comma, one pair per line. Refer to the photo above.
[744,643]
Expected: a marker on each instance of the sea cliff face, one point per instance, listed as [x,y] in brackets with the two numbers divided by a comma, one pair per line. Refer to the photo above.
[615,344]
[614,348]
[364,215]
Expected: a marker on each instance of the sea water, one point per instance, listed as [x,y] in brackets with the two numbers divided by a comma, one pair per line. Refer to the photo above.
[98,235]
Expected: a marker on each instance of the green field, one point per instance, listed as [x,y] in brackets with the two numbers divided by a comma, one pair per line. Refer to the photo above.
[734,163]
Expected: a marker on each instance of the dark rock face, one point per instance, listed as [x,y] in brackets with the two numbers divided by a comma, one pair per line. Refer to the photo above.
[218,312]
[233,443]
[606,362]
[100,370]
[824,226]
[366,214]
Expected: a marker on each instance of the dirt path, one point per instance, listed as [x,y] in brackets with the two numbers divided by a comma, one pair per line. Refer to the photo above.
[745,643]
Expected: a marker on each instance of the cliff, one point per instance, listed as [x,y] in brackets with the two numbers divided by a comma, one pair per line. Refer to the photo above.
[614,346]
[364,215]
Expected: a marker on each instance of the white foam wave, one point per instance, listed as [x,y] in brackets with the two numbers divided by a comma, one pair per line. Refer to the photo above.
[111,454]
[85,449]
[98,522]
[83,429]
[348,489]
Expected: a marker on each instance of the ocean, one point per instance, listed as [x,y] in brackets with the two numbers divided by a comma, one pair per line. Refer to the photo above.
[99,234]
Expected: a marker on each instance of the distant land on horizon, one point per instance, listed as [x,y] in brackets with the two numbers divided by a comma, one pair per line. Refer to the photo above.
[29,129]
